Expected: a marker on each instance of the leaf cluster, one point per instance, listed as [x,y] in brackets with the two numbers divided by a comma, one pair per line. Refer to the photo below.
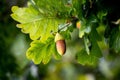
[42,19]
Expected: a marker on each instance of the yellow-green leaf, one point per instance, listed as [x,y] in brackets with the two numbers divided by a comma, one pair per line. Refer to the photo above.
[33,23]
[41,52]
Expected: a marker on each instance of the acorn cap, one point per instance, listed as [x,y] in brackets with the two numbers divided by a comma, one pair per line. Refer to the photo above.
[58,37]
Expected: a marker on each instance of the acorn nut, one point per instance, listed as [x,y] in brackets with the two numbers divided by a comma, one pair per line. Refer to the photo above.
[60,44]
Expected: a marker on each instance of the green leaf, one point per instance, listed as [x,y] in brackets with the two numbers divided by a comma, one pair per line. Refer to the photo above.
[34,23]
[96,35]
[41,52]
[94,53]
[56,8]
[66,33]
[85,28]
[85,59]
[56,55]
[101,14]
[77,4]
[87,25]
[114,42]
[95,50]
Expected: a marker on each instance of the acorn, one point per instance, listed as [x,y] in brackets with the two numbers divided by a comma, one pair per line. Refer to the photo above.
[78,24]
[60,44]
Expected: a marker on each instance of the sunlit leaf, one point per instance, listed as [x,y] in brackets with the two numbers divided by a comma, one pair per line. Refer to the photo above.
[33,23]
[41,52]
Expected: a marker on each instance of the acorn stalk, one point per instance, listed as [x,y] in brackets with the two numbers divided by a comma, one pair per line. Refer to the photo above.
[60,44]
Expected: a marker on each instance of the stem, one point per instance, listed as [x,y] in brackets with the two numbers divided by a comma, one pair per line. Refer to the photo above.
[64,26]
[86,45]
